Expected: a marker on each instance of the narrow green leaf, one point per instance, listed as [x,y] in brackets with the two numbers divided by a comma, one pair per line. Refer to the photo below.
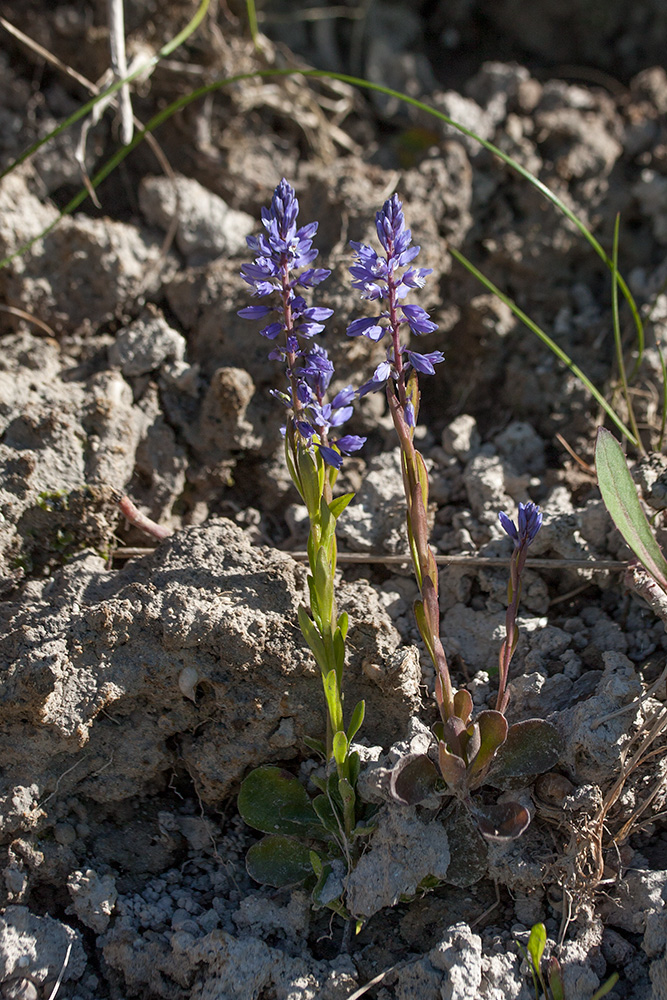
[328,819]
[310,481]
[332,696]
[492,733]
[356,720]
[313,639]
[619,495]
[338,505]
[274,801]
[339,651]
[555,977]
[343,623]
[606,987]
[279,862]
[354,766]
[324,587]
[318,746]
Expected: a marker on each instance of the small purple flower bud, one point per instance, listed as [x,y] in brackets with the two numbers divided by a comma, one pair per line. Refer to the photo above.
[530,522]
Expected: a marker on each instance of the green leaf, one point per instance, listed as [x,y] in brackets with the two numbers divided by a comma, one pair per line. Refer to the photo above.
[492,733]
[338,505]
[546,339]
[340,748]
[536,945]
[606,987]
[274,801]
[310,481]
[619,495]
[532,747]
[346,792]
[332,695]
[318,746]
[339,651]
[326,815]
[324,585]
[316,862]
[343,623]
[356,720]
[555,977]
[313,638]
[279,862]
[354,765]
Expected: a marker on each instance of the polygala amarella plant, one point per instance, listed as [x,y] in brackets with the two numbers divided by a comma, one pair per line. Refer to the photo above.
[272,800]
[470,751]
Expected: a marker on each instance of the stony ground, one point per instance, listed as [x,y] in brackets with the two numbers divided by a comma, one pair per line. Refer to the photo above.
[138,690]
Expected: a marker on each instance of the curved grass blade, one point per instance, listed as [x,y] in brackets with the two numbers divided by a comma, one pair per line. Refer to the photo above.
[617,336]
[216,85]
[546,339]
[619,494]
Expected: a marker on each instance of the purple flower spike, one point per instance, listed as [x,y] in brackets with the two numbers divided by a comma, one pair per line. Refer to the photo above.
[530,522]
[281,250]
[381,277]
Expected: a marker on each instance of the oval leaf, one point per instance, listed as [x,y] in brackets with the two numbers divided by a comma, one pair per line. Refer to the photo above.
[619,495]
[413,779]
[279,861]
[273,801]
[532,747]
[536,944]
[503,821]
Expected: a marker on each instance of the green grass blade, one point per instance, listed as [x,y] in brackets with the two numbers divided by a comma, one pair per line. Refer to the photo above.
[546,339]
[663,422]
[252,21]
[617,336]
[216,85]
[81,112]
[619,494]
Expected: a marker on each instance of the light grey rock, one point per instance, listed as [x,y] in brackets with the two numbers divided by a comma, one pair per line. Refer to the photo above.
[93,898]
[95,643]
[502,979]
[459,956]
[402,852]
[146,345]
[522,446]
[35,947]
[461,437]
[207,226]
[592,753]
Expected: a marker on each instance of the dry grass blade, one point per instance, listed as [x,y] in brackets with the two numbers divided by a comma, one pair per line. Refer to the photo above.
[58,983]
[155,147]
[22,314]
[119,67]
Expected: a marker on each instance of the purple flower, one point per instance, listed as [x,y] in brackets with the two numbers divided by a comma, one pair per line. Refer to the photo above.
[530,522]
[380,277]
[281,250]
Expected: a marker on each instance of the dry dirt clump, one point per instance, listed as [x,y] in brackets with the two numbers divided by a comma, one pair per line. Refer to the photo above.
[138,688]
